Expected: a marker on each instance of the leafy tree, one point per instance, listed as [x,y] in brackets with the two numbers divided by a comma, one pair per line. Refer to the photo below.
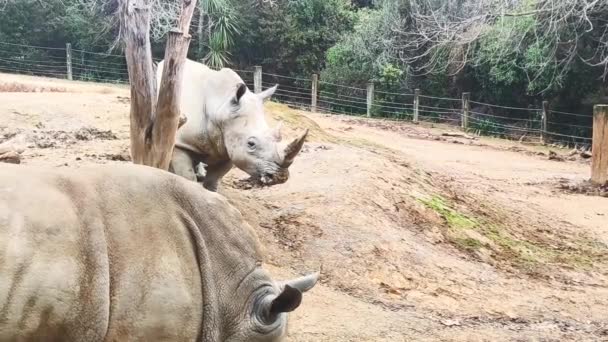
[291,37]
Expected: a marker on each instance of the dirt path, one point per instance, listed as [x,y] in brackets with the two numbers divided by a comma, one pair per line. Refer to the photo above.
[511,176]
[417,239]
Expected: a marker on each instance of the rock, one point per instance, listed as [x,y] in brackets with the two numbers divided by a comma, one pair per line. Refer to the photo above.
[555,156]
[586,154]
[125,156]
[11,157]
[450,322]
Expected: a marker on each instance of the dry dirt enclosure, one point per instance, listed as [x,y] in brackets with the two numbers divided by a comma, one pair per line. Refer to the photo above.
[419,237]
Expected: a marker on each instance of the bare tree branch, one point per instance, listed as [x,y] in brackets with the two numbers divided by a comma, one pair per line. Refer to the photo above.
[439,36]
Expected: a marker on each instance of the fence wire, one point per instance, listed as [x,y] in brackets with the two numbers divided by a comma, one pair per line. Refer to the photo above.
[295,91]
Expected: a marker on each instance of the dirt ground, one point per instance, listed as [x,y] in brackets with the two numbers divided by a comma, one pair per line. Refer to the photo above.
[419,236]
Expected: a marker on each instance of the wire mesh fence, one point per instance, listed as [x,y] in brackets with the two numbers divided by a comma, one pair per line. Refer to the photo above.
[482,118]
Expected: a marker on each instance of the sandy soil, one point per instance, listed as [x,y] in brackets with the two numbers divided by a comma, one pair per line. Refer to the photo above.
[419,236]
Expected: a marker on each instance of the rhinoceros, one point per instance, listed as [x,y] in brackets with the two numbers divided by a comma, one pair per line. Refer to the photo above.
[225,126]
[131,253]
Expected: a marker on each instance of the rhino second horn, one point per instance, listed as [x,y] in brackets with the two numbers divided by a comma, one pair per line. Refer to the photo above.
[293,148]
[277,131]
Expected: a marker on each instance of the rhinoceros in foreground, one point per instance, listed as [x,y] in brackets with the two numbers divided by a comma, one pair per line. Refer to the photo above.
[131,253]
[226,126]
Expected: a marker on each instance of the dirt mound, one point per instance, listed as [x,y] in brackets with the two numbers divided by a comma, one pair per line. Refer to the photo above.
[295,121]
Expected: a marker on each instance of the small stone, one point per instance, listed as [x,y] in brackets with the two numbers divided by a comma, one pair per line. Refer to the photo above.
[450,322]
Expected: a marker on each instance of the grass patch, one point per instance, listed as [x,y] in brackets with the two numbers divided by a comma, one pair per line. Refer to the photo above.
[471,234]
[453,218]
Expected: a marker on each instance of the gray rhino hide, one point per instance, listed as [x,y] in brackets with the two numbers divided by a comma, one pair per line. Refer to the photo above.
[226,126]
[127,253]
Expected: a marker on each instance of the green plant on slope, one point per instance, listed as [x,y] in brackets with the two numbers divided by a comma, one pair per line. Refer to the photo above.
[473,234]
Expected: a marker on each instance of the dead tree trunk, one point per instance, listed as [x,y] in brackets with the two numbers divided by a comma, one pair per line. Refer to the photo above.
[154,123]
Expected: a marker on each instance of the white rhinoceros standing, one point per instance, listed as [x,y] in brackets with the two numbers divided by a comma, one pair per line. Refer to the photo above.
[131,253]
[226,126]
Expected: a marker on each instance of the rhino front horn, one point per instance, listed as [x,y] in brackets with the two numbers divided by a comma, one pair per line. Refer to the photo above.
[293,148]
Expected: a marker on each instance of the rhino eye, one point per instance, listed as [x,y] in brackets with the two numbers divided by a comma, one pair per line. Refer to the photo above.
[251,144]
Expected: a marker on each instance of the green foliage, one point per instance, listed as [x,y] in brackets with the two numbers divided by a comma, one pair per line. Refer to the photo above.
[390,75]
[224,27]
[486,126]
[473,233]
[360,56]
[217,56]
[291,37]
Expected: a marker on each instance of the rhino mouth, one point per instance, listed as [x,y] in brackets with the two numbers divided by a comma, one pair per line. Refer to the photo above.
[265,179]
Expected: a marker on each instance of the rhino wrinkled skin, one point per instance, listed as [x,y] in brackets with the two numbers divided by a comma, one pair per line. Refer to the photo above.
[131,253]
[226,126]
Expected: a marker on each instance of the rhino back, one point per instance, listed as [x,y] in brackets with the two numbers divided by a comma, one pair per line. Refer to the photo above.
[50,268]
[116,252]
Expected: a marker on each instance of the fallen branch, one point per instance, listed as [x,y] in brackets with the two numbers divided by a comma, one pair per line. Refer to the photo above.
[458,135]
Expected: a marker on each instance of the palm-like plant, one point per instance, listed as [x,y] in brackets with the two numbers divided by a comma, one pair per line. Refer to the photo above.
[222,27]
[217,56]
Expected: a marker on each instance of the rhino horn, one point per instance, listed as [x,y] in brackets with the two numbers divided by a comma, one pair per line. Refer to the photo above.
[277,131]
[293,148]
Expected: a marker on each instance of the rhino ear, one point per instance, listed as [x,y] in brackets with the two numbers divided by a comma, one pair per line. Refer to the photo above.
[291,296]
[266,94]
[240,91]
[289,300]
[304,283]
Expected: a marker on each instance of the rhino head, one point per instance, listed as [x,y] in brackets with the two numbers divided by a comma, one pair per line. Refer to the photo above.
[252,145]
[268,305]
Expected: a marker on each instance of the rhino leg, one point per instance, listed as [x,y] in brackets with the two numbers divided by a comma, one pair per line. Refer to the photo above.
[182,164]
[215,174]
